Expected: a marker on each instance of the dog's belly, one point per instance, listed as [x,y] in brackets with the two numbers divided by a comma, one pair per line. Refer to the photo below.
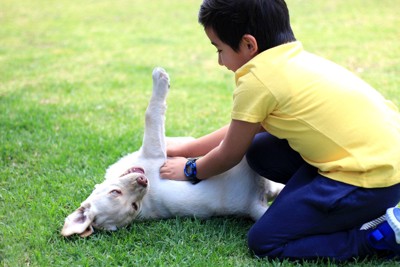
[231,193]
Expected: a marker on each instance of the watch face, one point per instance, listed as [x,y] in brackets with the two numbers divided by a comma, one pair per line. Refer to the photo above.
[190,169]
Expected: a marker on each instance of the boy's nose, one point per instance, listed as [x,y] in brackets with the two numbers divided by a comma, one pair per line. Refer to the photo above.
[220,60]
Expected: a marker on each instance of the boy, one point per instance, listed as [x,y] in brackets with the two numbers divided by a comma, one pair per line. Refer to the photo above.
[308,123]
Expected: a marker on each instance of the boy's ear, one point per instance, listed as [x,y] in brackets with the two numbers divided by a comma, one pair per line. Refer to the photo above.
[249,42]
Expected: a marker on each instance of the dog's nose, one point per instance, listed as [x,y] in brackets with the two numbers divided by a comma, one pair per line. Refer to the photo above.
[142,181]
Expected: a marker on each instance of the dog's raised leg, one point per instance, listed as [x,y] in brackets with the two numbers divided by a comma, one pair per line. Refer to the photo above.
[154,146]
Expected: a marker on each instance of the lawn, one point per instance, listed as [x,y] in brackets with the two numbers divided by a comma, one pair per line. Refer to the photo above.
[75,78]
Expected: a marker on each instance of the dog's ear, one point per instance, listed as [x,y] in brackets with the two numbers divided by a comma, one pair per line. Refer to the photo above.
[79,222]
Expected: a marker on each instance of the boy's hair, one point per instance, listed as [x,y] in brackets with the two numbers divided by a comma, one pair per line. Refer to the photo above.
[267,20]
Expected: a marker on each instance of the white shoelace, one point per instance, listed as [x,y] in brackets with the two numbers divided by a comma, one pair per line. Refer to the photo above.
[373,223]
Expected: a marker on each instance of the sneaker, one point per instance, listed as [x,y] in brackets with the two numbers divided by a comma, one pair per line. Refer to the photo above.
[386,234]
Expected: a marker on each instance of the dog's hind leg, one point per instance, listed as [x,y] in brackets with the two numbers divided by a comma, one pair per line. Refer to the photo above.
[154,146]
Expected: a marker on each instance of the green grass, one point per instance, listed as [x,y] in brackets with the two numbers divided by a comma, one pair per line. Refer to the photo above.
[75,78]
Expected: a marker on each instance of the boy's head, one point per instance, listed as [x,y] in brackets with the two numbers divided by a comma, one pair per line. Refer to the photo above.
[267,20]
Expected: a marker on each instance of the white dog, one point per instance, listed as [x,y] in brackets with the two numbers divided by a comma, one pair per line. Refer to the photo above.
[133,189]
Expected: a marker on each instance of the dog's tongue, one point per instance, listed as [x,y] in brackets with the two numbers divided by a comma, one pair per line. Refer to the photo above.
[133,170]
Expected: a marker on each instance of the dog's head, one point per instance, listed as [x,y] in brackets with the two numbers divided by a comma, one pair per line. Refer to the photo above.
[112,204]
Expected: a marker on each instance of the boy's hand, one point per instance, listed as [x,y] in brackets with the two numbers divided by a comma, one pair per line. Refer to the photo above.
[173,169]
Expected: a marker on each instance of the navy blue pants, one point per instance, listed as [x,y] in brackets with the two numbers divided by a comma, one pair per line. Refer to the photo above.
[314,216]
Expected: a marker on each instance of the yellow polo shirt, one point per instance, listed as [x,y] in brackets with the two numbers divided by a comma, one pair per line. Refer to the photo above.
[337,122]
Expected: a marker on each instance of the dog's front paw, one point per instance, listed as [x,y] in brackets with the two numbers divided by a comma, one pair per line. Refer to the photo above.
[160,82]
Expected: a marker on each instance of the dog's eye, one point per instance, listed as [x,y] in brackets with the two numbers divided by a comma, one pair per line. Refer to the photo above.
[135,206]
[115,192]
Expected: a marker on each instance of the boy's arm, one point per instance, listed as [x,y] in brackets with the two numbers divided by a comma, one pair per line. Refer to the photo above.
[200,146]
[237,139]
[236,143]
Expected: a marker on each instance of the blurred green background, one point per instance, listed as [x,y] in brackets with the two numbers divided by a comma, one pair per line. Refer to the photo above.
[75,78]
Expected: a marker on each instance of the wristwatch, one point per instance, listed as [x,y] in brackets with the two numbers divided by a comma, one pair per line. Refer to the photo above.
[191,171]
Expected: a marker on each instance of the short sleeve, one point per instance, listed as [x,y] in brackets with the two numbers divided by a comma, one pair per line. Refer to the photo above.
[252,101]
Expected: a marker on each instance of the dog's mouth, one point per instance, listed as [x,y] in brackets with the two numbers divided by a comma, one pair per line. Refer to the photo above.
[133,170]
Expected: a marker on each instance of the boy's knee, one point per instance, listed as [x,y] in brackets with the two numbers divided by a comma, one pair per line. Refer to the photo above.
[259,244]
[253,244]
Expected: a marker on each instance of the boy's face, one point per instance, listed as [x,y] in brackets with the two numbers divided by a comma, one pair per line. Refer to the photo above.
[228,57]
